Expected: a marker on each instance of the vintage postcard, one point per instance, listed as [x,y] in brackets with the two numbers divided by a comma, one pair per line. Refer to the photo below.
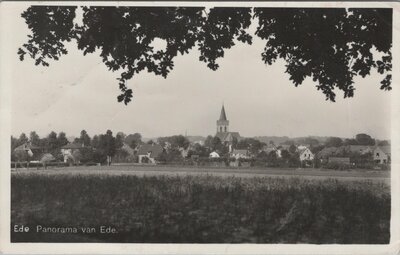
[199,127]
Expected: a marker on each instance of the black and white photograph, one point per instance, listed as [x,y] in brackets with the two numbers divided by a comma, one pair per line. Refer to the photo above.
[197,123]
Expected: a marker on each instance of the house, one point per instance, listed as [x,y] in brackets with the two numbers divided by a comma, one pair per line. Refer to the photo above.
[306,154]
[382,155]
[285,147]
[33,151]
[214,154]
[25,147]
[237,154]
[272,148]
[269,148]
[148,153]
[70,151]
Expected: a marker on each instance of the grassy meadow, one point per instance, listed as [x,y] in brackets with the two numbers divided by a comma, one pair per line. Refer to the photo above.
[201,209]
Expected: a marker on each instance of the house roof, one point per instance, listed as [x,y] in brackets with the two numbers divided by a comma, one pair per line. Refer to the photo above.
[358,148]
[128,149]
[26,146]
[226,136]
[47,157]
[244,152]
[285,146]
[303,150]
[72,146]
[385,149]
[154,149]
[214,154]
[326,152]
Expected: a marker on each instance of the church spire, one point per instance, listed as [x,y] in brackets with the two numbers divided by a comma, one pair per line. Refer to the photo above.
[223,114]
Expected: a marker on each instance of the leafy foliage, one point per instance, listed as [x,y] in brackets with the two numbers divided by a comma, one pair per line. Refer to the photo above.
[330,45]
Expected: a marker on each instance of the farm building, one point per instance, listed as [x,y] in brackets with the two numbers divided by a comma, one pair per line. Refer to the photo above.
[382,155]
[148,153]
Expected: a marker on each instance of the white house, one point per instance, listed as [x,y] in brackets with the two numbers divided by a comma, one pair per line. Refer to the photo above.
[214,154]
[148,153]
[306,154]
[382,154]
[69,152]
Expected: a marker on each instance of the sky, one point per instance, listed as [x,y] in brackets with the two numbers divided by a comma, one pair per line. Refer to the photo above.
[78,92]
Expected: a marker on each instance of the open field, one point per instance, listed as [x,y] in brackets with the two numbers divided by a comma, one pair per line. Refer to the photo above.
[198,208]
[155,170]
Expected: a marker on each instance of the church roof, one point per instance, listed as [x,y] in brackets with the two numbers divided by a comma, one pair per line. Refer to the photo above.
[227,136]
[223,114]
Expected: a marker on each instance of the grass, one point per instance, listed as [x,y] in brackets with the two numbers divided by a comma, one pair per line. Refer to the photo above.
[201,209]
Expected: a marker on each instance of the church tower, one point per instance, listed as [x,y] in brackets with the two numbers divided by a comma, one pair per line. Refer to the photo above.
[222,123]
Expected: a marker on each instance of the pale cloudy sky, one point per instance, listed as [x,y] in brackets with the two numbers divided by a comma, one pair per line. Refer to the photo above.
[78,92]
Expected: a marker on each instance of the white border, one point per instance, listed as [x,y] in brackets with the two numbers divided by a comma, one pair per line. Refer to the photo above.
[105,248]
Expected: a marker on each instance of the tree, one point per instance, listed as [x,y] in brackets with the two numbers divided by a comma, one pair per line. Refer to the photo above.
[334,142]
[292,149]
[84,138]
[133,140]
[199,150]
[77,156]
[330,45]
[272,158]
[350,141]
[22,156]
[107,145]
[216,143]
[119,140]
[22,139]
[383,143]
[52,145]
[285,155]
[34,138]
[311,141]
[251,144]
[176,141]
[61,139]
[86,154]
[364,139]
[208,142]
[14,144]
